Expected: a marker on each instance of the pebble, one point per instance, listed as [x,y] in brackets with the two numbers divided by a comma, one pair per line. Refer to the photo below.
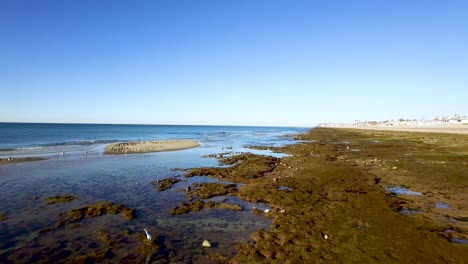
[325,236]
[394,168]
[267,211]
[283,211]
[206,243]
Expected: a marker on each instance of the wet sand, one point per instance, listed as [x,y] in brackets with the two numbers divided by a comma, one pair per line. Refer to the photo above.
[150,146]
[332,200]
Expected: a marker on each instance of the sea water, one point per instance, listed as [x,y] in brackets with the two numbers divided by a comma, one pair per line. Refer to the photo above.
[76,165]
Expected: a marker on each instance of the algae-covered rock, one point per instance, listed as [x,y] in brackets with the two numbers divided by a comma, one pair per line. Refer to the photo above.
[97,209]
[245,167]
[165,184]
[60,199]
[2,217]
[93,257]
[208,190]
[218,258]
[200,205]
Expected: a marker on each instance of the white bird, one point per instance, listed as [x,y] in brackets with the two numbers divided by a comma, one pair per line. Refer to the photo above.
[148,235]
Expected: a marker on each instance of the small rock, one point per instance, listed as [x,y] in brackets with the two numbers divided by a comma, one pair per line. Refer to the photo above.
[394,168]
[325,236]
[35,197]
[206,243]
[274,179]
[187,189]
[283,211]
[267,211]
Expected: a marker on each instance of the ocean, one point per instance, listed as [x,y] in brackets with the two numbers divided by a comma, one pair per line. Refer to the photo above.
[75,165]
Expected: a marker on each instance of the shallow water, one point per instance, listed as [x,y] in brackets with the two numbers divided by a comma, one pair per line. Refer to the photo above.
[442,205]
[123,179]
[402,190]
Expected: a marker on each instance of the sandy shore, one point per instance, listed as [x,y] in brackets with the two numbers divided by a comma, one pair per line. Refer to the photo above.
[150,146]
[460,129]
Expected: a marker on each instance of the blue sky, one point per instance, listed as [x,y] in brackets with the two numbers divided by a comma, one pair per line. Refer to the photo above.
[285,63]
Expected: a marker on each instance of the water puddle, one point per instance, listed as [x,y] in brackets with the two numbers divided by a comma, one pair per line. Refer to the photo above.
[459,240]
[401,190]
[409,211]
[449,235]
[285,188]
[442,205]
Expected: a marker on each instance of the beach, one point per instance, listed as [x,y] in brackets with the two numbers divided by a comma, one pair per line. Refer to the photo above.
[451,129]
[149,146]
[329,195]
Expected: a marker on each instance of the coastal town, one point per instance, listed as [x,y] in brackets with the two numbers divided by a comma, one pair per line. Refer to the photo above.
[442,121]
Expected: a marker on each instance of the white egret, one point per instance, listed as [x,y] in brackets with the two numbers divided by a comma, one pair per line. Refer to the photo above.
[148,235]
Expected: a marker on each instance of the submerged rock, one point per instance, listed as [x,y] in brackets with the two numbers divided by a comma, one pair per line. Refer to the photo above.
[165,184]
[58,199]
[97,209]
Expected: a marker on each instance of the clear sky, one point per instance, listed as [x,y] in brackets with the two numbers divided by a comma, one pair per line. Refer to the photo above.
[286,63]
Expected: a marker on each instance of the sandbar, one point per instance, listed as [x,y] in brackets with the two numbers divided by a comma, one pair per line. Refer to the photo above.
[11,160]
[150,146]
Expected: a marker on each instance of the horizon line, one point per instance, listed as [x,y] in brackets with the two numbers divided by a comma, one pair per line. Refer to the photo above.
[79,123]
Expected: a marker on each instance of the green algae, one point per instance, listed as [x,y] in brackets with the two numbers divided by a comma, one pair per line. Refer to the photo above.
[245,167]
[339,209]
[209,190]
[200,205]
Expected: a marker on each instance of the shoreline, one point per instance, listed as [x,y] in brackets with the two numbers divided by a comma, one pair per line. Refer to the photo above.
[136,147]
[449,129]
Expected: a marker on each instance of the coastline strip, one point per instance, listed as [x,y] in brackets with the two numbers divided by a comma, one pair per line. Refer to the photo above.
[425,129]
[150,146]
